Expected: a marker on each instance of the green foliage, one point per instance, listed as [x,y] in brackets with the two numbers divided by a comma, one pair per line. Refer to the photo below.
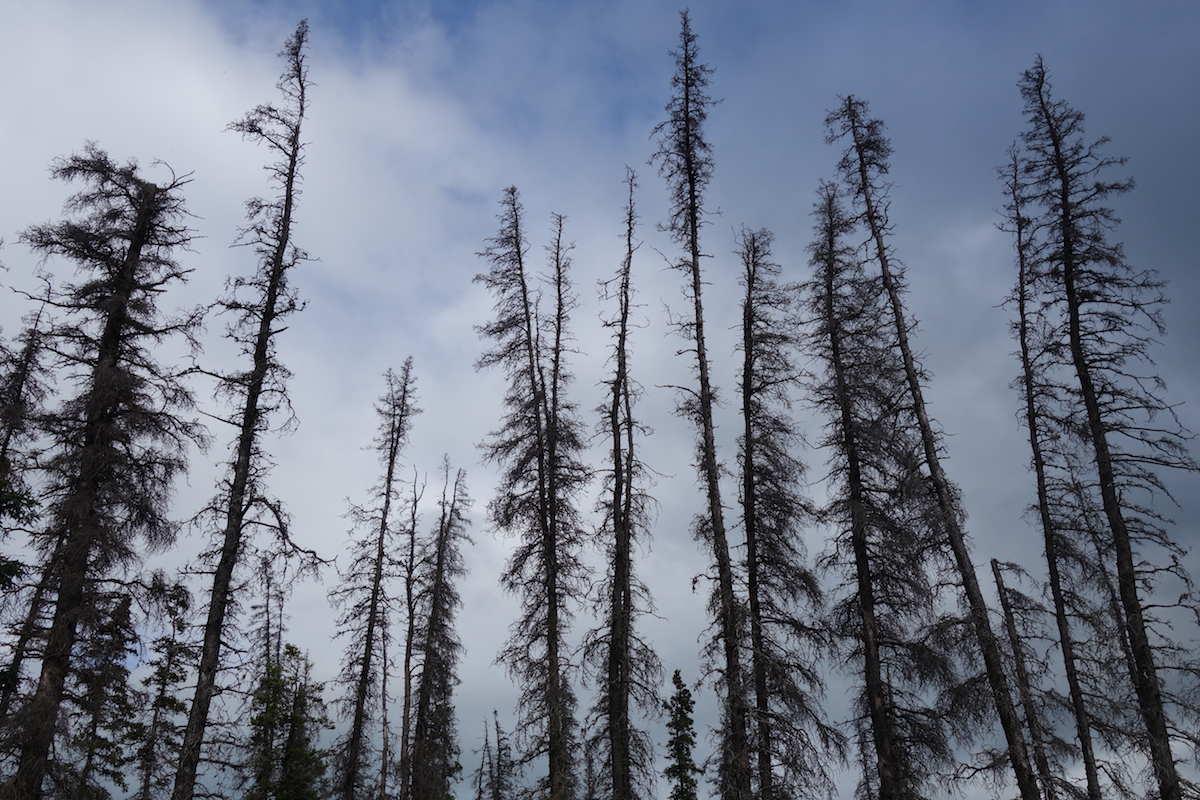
[287,713]
[682,769]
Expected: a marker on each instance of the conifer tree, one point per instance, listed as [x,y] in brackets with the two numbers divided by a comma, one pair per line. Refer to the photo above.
[435,747]
[886,540]
[160,732]
[103,718]
[410,583]
[863,167]
[1107,315]
[363,591]
[790,741]
[120,441]
[495,779]
[23,391]
[259,304]
[286,716]
[538,448]
[681,768]
[1056,509]
[685,161]
[628,671]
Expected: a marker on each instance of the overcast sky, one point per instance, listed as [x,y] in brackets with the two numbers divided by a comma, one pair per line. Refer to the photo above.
[423,112]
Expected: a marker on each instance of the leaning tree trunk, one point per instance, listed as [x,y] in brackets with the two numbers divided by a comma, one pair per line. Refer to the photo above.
[997,680]
[1083,731]
[280,257]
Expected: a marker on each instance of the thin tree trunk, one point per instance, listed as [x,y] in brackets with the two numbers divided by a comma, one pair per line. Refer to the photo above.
[238,500]
[37,603]
[354,742]
[385,733]
[1033,423]
[750,521]
[620,423]
[1144,676]
[410,634]
[1018,756]
[888,767]
[561,777]
[737,785]
[1024,689]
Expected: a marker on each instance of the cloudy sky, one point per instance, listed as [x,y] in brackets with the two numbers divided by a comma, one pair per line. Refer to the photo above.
[424,111]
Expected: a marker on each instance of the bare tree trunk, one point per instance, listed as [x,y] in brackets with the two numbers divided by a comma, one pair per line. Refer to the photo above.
[396,407]
[997,680]
[621,426]
[1033,421]
[275,302]
[1145,676]
[1024,689]
[687,164]
[887,757]
[410,635]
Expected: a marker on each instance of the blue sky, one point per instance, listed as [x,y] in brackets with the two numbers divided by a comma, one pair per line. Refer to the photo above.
[424,111]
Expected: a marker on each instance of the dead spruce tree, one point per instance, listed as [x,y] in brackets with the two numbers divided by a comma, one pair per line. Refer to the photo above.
[684,158]
[863,167]
[259,304]
[363,593]
[538,447]
[1107,315]
[435,747]
[790,741]
[887,543]
[1057,513]
[627,670]
[119,442]
[24,388]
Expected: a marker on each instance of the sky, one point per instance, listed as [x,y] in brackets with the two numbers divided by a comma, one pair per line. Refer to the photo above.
[424,112]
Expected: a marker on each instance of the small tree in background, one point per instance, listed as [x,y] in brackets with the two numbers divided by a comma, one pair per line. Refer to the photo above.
[681,769]
[363,589]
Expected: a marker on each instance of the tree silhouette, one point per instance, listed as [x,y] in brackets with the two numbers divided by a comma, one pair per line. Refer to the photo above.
[684,159]
[362,592]
[120,441]
[262,390]
[537,447]
[1106,315]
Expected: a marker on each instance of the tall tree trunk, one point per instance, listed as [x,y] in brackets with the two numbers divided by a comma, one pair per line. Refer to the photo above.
[1144,676]
[396,406]
[687,165]
[280,257]
[410,636]
[1033,421]
[888,759]
[80,523]
[997,680]
[620,428]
